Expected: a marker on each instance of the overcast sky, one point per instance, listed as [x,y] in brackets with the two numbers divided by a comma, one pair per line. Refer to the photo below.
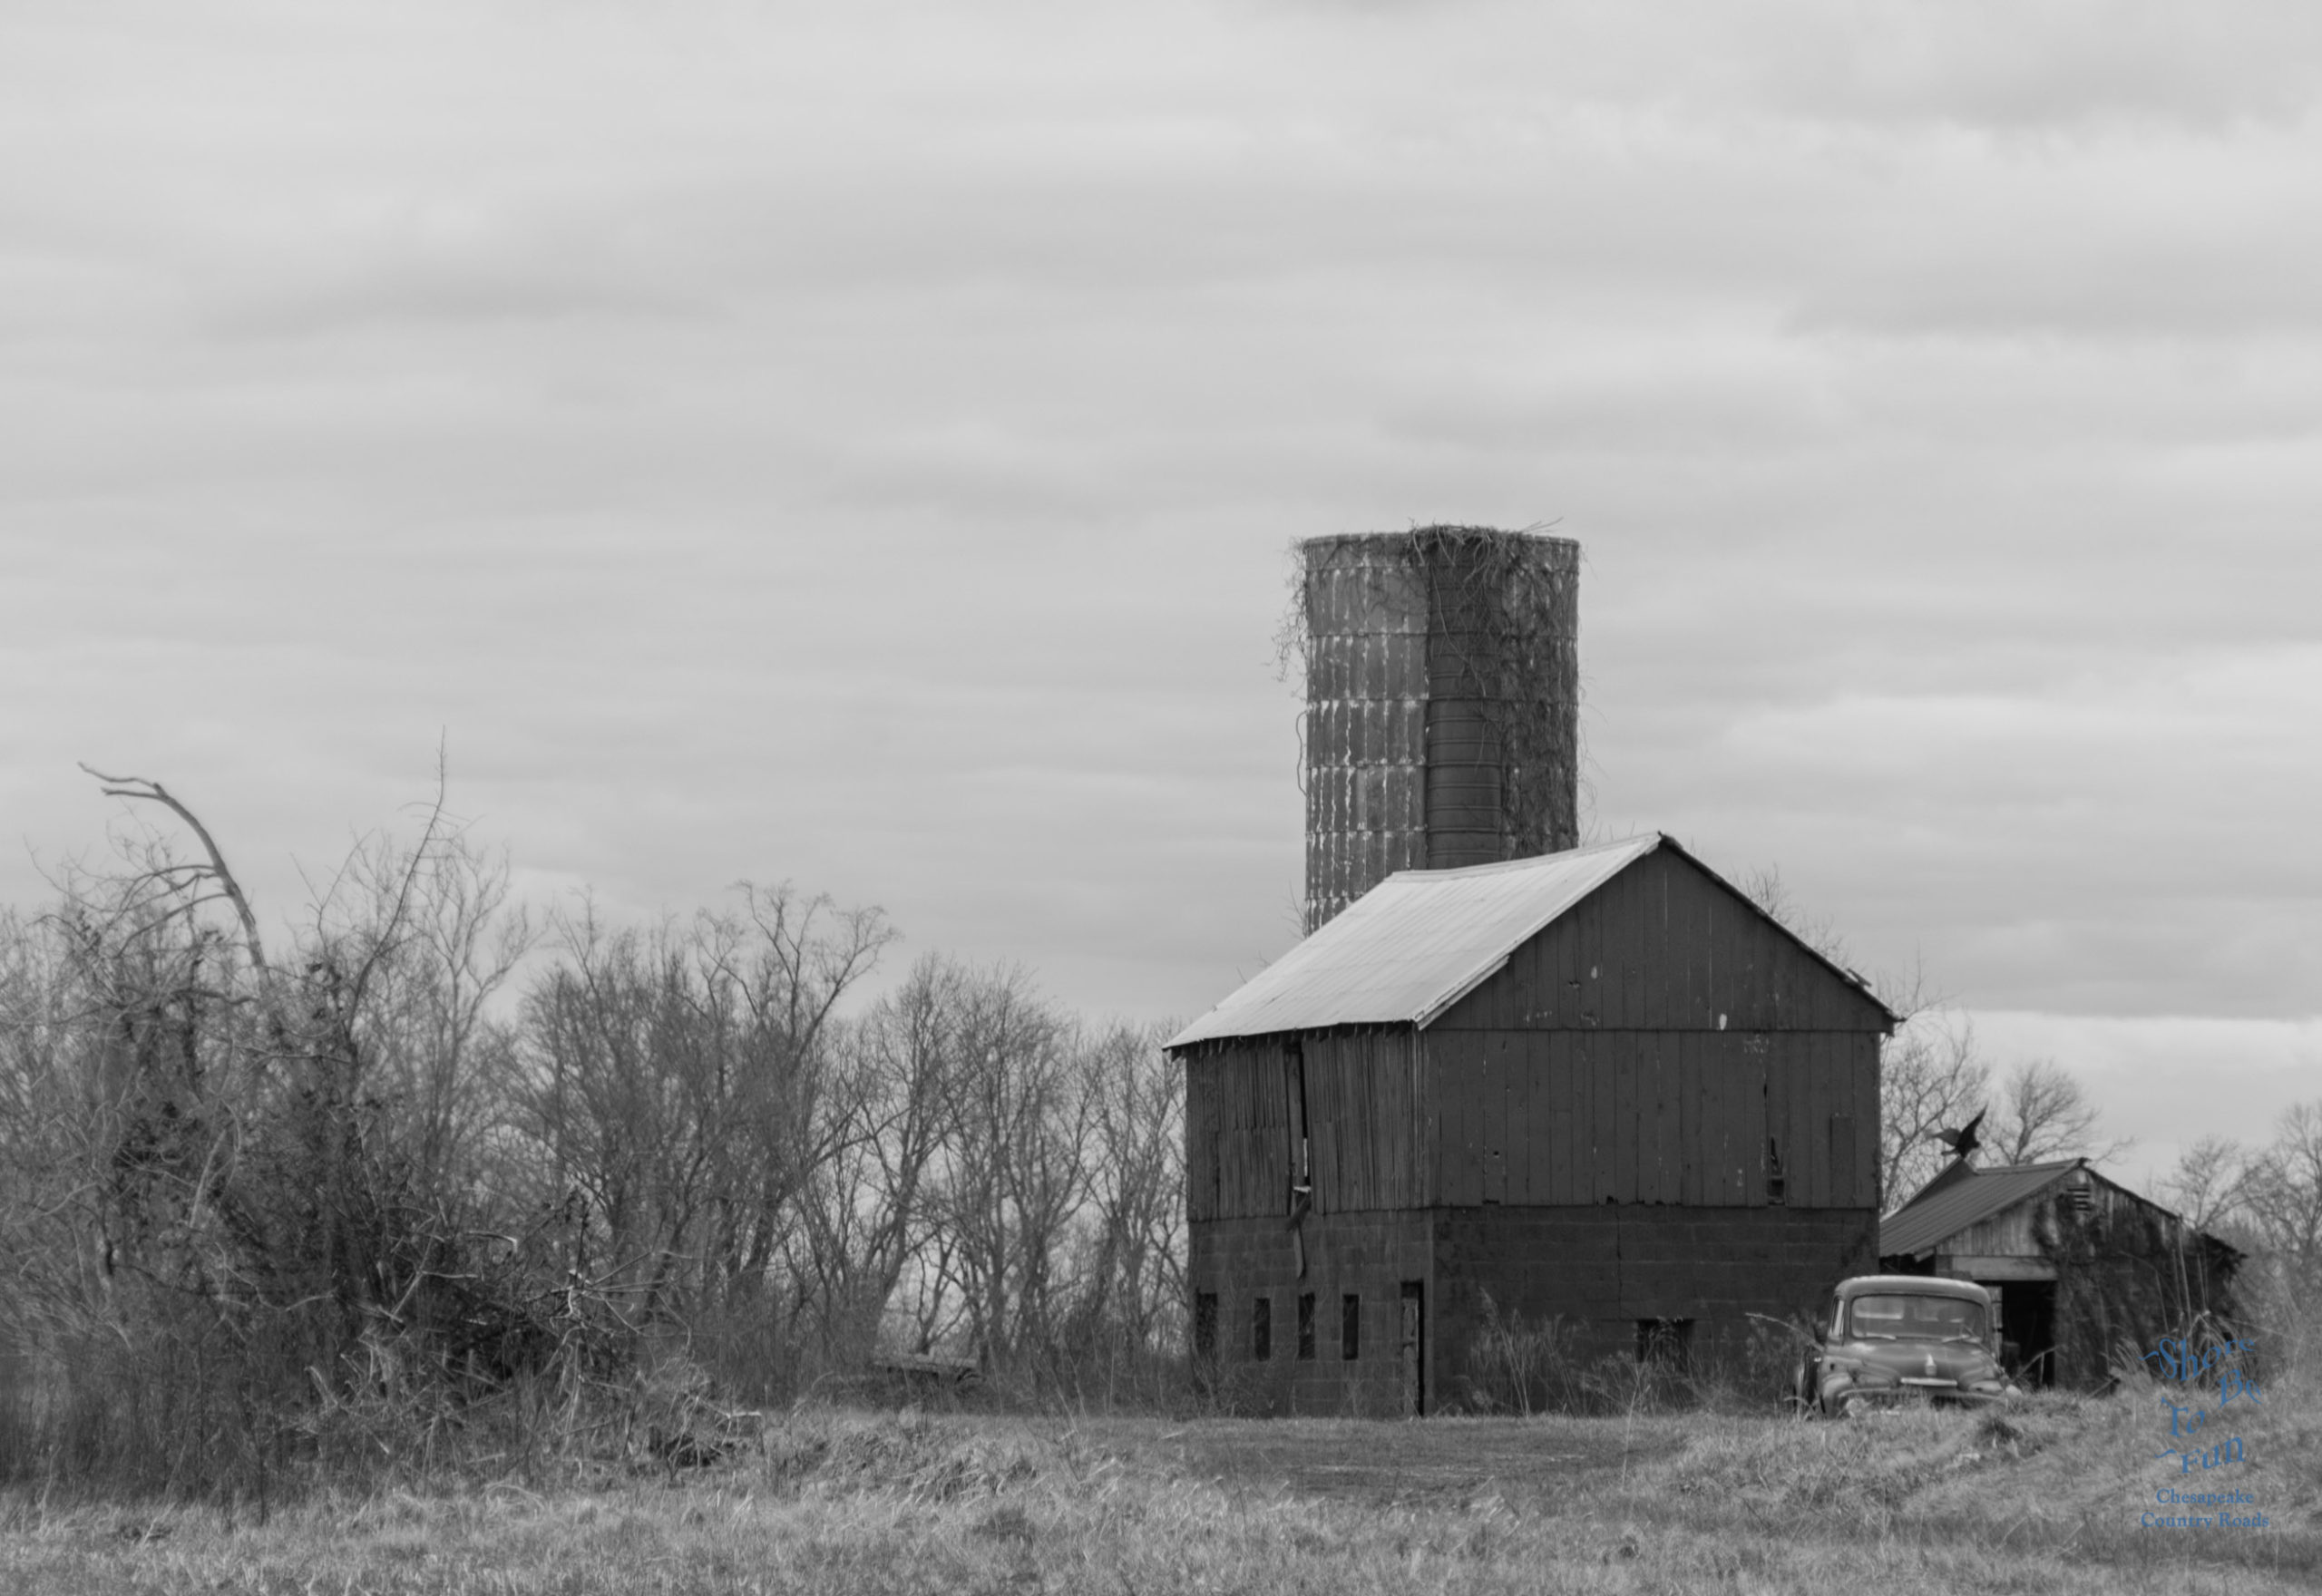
[861,444]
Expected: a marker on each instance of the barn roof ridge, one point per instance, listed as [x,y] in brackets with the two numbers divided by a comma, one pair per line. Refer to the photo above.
[1420,940]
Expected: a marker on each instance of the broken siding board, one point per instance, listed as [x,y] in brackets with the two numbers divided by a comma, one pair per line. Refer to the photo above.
[1751,1155]
[1326,1090]
[1786,1068]
[1747,1141]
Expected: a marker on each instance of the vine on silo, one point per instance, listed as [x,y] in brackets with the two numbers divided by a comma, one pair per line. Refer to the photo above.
[1502,611]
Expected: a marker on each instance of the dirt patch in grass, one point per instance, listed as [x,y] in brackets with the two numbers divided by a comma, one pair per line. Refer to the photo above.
[1442,1460]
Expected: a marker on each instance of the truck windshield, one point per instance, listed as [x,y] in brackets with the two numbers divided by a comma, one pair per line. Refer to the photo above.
[1898,1317]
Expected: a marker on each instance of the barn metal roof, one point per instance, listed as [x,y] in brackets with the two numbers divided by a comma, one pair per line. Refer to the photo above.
[1415,944]
[1921,1225]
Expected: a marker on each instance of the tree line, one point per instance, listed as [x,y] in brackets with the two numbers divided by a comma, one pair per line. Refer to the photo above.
[434,1148]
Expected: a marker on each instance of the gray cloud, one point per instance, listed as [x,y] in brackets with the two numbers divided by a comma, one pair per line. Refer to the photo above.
[862,447]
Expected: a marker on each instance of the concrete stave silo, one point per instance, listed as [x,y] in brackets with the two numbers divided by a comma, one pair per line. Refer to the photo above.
[1443,704]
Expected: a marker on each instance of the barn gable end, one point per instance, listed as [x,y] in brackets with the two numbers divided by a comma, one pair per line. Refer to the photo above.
[1650,1107]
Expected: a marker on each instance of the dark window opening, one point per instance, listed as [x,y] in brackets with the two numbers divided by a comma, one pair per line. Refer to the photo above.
[1350,1327]
[1775,1184]
[1306,1325]
[1414,1346]
[1205,1324]
[1261,1328]
[1665,1343]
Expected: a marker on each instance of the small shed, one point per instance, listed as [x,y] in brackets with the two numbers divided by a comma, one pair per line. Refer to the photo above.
[2082,1267]
[1600,1086]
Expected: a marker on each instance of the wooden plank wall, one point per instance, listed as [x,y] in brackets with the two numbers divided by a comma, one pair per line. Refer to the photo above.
[1551,1118]
[1655,1045]
[1663,946]
[1364,1099]
[1364,1094]
[1237,1131]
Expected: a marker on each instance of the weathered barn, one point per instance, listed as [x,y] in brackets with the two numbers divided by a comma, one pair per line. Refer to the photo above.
[1600,1084]
[2082,1264]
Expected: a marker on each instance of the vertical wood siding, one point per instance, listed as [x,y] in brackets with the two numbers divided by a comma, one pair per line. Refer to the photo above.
[1551,1118]
[1662,946]
[1366,1125]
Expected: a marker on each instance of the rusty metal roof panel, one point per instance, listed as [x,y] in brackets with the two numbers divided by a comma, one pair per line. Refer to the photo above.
[1415,944]
[1920,1227]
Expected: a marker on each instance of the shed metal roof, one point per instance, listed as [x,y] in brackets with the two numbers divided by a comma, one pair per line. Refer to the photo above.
[1415,944]
[1921,1225]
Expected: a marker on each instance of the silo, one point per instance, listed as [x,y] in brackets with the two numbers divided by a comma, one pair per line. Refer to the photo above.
[1443,704]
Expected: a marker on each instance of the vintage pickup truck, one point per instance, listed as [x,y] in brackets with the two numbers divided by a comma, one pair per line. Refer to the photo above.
[1885,1339]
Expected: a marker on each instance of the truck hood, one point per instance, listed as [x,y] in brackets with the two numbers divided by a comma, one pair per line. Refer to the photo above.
[1961,1362]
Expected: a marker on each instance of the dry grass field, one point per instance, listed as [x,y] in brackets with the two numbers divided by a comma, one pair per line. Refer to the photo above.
[2047,1499]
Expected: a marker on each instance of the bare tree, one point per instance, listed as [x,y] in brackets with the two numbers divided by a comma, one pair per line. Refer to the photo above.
[2282,1191]
[688,1084]
[2043,1113]
[1134,1284]
[2207,1185]
[1015,1167]
[1933,1077]
[868,1210]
